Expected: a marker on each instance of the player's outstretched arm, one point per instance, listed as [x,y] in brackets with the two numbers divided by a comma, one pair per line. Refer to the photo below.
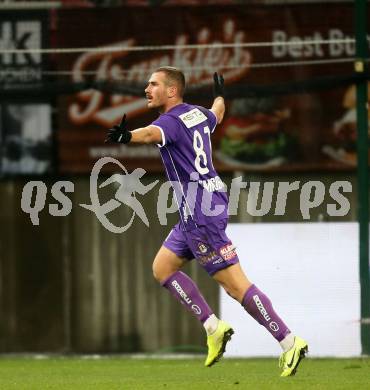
[218,106]
[145,135]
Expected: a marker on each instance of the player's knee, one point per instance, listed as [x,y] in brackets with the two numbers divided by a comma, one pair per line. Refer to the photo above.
[161,273]
[156,272]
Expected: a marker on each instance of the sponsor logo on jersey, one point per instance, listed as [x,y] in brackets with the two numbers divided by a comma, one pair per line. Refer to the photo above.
[228,252]
[192,117]
[213,184]
[261,308]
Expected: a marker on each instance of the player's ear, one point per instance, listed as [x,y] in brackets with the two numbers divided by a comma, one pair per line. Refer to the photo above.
[172,91]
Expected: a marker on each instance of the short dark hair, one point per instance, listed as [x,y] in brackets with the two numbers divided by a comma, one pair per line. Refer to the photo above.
[175,75]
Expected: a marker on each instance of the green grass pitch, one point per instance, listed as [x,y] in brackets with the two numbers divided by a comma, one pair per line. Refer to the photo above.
[25,373]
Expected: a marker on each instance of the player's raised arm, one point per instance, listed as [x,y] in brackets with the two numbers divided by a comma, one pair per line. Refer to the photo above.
[144,135]
[218,106]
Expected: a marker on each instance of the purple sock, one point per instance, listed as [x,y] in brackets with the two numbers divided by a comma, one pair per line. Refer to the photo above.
[186,291]
[257,304]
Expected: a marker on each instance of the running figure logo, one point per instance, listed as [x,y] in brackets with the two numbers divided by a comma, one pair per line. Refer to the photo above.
[129,184]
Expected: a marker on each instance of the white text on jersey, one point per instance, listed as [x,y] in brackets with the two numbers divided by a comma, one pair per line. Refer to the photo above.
[212,184]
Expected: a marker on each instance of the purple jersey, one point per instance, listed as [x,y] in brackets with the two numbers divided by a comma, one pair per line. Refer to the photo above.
[186,152]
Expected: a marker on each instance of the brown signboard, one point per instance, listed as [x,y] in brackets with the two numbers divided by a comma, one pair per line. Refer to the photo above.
[264,46]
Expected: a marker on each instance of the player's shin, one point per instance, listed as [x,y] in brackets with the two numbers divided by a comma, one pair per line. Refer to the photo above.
[259,306]
[183,288]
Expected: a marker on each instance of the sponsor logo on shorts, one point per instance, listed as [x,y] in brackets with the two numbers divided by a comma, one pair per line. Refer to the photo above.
[202,247]
[218,261]
[228,252]
[202,260]
[261,308]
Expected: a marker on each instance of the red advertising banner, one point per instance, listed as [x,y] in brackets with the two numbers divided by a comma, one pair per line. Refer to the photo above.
[263,46]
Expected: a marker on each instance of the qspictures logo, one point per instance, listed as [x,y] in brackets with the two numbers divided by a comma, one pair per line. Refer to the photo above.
[273,197]
[34,196]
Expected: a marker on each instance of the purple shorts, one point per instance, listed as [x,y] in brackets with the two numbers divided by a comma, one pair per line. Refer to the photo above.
[209,245]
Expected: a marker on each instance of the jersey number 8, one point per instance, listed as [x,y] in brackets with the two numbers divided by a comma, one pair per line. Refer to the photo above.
[200,154]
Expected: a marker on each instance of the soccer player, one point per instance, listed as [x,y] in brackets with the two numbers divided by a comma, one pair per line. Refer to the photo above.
[182,132]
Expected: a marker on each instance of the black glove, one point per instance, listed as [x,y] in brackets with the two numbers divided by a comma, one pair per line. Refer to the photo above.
[218,85]
[119,133]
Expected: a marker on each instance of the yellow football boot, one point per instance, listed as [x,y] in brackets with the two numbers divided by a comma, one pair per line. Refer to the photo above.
[217,341]
[290,360]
